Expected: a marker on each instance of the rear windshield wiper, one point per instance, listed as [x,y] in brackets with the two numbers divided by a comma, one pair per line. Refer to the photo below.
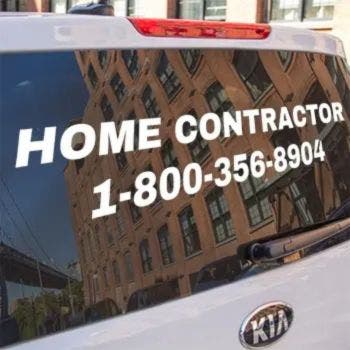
[274,249]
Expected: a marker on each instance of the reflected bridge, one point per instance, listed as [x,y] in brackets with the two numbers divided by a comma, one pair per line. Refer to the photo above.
[20,268]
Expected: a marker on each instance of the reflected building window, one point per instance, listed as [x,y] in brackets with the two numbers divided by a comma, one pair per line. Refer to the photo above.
[121,159]
[191,59]
[301,205]
[118,87]
[256,201]
[146,259]
[131,61]
[150,103]
[166,248]
[252,72]
[336,74]
[220,215]
[92,76]
[168,154]
[309,209]
[199,148]
[106,108]
[135,211]
[286,58]
[189,230]
[129,269]
[339,81]
[218,100]
[316,95]
[102,56]
[167,76]
[285,137]
[116,272]
[169,159]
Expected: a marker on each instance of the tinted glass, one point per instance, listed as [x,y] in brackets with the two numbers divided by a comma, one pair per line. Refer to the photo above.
[132,178]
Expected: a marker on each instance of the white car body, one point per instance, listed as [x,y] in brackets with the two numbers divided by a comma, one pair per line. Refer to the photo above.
[316,287]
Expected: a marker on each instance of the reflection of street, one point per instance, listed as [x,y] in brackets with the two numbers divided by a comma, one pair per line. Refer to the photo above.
[143,256]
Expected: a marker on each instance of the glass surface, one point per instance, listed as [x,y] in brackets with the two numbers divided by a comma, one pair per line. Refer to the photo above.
[286,10]
[202,9]
[191,9]
[319,9]
[300,10]
[122,207]
[215,10]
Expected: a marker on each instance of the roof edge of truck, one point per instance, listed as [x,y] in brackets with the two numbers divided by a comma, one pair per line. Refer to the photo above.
[77,32]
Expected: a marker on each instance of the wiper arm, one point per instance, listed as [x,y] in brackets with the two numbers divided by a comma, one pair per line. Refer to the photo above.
[281,247]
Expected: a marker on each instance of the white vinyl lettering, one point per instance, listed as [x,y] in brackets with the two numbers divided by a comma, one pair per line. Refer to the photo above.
[251,114]
[337,109]
[232,123]
[68,149]
[204,126]
[149,129]
[268,119]
[105,197]
[26,145]
[110,139]
[180,133]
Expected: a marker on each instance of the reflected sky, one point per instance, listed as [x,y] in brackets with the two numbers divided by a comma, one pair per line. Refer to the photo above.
[37,91]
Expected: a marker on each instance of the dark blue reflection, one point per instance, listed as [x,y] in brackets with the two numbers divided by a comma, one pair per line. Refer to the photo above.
[38,90]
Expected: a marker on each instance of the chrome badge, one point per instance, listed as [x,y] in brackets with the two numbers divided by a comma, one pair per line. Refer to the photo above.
[266,324]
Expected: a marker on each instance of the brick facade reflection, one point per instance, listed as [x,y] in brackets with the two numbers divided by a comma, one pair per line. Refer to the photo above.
[140,248]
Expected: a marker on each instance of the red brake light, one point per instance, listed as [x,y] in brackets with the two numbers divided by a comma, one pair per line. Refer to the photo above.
[199,29]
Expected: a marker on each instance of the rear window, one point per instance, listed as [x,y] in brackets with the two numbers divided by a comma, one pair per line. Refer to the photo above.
[130,178]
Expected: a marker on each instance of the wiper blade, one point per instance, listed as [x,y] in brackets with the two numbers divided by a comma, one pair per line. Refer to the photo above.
[280,247]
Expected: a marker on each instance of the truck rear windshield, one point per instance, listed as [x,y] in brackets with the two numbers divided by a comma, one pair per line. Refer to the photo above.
[130,178]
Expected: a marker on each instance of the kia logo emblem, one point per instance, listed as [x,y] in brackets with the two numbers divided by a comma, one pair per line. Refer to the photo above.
[266,324]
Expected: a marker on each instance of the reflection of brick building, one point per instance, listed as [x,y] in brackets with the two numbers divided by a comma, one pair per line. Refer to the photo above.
[172,241]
